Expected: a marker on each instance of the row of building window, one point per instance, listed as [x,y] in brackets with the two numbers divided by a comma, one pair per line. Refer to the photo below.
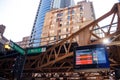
[70,11]
[67,23]
[60,24]
[58,19]
[60,31]
[55,37]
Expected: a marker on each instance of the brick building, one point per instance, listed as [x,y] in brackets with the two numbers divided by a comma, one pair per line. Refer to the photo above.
[25,42]
[61,23]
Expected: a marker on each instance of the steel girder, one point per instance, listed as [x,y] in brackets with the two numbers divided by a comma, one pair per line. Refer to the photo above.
[60,56]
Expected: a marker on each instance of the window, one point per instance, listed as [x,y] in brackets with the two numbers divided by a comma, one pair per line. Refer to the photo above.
[81,7]
[68,17]
[66,35]
[59,14]
[69,12]
[68,23]
[66,29]
[59,31]
[73,12]
[73,17]
[81,14]
[58,19]
[54,37]
[60,25]
[59,37]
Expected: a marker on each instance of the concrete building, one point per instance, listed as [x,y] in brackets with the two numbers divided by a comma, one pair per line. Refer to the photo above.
[2,29]
[43,8]
[3,40]
[25,42]
[61,23]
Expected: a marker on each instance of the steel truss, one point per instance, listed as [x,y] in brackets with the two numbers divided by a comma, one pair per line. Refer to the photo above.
[59,57]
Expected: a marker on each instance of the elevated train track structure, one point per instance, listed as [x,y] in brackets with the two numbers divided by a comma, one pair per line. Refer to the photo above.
[59,57]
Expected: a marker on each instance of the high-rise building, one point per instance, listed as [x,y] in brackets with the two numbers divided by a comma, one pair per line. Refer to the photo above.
[43,8]
[63,3]
[61,23]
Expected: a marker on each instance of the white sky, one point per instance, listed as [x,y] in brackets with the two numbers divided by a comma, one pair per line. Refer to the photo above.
[18,15]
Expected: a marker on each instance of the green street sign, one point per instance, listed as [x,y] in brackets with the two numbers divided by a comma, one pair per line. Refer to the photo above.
[28,51]
[36,50]
[16,47]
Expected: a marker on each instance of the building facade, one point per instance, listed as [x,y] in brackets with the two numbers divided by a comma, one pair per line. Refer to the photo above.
[44,7]
[3,40]
[2,29]
[25,42]
[62,3]
[61,23]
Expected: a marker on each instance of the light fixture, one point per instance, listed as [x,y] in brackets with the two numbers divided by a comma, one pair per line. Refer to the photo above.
[6,46]
[106,41]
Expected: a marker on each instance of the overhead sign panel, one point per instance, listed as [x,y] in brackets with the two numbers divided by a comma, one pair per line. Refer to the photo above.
[36,50]
[16,47]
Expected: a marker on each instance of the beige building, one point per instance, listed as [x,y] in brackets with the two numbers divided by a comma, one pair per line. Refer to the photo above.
[61,23]
[25,42]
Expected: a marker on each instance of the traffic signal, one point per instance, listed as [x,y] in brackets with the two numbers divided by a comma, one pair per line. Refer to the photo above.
[6,46]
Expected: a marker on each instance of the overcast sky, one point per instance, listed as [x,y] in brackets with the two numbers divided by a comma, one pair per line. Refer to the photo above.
[18,15]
